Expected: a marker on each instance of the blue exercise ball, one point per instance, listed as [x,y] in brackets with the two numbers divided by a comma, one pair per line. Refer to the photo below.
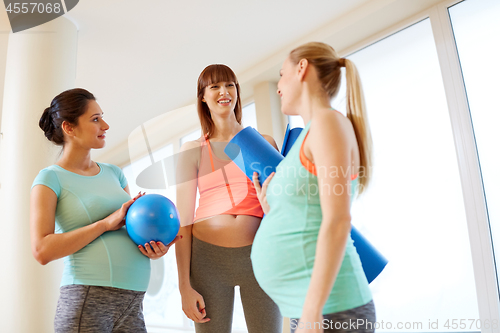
[152,217]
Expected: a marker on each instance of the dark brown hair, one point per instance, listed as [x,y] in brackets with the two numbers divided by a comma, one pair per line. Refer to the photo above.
[210,75]
[67,106]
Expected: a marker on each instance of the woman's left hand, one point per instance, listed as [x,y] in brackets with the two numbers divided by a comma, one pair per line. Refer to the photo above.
[261,192]
[155,250]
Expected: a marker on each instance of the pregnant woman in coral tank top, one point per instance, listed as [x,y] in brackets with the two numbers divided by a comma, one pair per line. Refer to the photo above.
[214,255]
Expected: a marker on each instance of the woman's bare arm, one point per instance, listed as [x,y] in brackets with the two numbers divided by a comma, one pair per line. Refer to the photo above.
[187,182]
[46,245]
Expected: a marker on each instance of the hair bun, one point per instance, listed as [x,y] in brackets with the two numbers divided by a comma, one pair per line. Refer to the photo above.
[68,106]
[46,123]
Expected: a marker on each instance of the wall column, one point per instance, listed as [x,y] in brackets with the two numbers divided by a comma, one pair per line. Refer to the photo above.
[270,120]
[41,63]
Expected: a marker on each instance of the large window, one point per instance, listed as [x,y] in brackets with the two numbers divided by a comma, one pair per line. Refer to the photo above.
[249,117]
[477,31]
[413,212]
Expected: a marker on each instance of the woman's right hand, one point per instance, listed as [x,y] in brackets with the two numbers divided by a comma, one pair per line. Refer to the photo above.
[117,219]
[193,305]
[262,191]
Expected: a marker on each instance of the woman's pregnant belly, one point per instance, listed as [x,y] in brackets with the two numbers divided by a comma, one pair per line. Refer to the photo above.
[282,259]
[110,260]
[227,230]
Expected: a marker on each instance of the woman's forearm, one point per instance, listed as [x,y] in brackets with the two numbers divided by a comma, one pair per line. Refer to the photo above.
[183,256]
[55,246]
[46,245]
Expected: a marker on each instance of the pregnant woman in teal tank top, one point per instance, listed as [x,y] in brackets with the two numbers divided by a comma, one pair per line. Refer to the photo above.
[77,212]
[303,256]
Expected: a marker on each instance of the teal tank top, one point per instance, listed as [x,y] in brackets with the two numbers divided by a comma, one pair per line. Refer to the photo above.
[112,259]
[284,247]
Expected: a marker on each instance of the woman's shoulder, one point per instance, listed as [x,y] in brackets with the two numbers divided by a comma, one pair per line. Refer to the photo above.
[109,166]
[51,168]
[190,152]
[270,139]
[267,137]
[192,144]
[330,122]
[50,171]
[50,178]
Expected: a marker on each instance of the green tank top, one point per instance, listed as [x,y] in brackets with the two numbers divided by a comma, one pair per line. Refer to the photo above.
[112,259]
[284,248]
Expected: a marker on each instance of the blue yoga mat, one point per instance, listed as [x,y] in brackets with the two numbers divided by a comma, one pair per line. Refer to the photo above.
[290,136]
[372,260]
[251,152]
[257,154]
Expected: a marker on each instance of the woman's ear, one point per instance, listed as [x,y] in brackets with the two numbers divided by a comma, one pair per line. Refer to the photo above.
[68,128]
[302,66]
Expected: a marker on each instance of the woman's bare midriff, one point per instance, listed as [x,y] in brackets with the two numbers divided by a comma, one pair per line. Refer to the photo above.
[227,230]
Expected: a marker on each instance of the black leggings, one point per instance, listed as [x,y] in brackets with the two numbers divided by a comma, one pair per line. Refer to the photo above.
[215,271]
[91,309]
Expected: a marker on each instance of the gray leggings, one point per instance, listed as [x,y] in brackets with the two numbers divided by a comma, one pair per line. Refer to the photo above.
[94,309]
[215,271]
[358,320]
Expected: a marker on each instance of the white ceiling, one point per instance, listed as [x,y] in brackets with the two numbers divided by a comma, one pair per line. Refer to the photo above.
[142,58]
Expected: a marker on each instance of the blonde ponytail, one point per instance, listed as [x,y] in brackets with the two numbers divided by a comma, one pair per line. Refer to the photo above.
[356,112]
[327,64]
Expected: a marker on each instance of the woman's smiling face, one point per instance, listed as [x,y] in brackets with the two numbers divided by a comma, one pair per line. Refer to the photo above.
[287,87]
[91,129]
[220,97]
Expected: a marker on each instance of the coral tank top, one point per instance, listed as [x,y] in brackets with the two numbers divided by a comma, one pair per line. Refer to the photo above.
[224,188]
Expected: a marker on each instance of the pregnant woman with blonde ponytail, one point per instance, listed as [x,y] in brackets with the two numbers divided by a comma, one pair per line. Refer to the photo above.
[303,256]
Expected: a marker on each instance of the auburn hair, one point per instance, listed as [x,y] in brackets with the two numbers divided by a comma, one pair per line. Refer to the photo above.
[210,75]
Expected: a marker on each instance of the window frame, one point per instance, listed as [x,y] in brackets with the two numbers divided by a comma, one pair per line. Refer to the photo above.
[468,162]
